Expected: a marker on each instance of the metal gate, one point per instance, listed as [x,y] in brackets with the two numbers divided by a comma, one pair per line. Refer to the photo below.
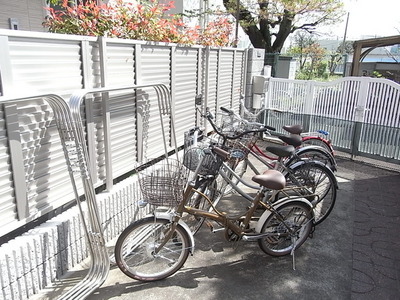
[362,114]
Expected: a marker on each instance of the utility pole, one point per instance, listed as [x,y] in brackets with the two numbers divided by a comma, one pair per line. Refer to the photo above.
[344,56]
[345,33]
[237,23]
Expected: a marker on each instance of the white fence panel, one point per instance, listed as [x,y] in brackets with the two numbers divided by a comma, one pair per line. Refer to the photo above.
[155,66]
[225,80]
[119,131]
[186,84]
[211,79]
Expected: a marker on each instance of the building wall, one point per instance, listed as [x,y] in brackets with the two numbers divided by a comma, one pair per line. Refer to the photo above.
[29,14]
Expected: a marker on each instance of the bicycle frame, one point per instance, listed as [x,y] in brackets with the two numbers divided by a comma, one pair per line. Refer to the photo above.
[262,153]
[271,162]
[262,198]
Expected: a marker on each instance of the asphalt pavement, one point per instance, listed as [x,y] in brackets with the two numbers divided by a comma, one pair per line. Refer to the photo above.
[353,254]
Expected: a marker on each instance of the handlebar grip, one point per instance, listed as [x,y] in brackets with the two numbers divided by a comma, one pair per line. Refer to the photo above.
[270,128]
[220,152]
[224,109]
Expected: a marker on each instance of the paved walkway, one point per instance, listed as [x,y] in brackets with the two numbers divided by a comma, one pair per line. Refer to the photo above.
[376,230]
[354,254]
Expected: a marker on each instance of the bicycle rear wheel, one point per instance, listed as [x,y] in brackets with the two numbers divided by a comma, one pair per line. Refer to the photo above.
[288,228]
[313,153]
[315,141]
[317,179]
[135,249]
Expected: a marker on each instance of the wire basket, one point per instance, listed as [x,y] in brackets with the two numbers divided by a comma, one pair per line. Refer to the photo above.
[240,147]
[162,183]
[195,153]
[231,125]
[210,163]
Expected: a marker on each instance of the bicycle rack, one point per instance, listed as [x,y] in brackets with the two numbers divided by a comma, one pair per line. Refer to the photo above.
[100,261]
[75,156]
[69,124]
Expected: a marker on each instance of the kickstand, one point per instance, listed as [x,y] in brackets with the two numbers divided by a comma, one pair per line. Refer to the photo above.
[292,253]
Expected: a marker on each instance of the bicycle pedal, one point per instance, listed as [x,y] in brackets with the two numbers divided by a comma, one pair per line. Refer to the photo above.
[211,226]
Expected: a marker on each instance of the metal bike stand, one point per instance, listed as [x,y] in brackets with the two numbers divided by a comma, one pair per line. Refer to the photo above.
[76,160]
[100,263]
[69,124]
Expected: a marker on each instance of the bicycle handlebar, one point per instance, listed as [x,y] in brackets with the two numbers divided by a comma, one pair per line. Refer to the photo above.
[210,118]
[232,113]
[229,111]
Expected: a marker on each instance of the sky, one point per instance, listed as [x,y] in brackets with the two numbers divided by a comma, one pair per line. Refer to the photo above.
[368,19]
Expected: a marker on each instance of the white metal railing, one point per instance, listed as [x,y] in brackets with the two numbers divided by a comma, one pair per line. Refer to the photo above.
[362,113]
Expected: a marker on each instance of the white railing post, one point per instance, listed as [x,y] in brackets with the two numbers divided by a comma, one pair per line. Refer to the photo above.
[362,99]
[359,115]
[308,105]
[106,112]
[17,160]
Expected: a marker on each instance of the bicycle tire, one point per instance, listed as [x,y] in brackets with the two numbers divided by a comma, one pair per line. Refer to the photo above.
[313,153]
[196,200]
[314,141]
[134,250]
[296,216]
[318,179]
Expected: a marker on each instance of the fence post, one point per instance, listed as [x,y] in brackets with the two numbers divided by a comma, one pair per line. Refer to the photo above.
[206,80]
[173,140]
[17,160]
[200,84]
[106,112]
[6,78]
[218,91]
[90,126]
[140,145]
[233,77]
[308,105]
[359,115]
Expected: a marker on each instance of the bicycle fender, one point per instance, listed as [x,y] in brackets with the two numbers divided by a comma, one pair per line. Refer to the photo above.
[168,216]
[276,205]
[317,163]
[332,160]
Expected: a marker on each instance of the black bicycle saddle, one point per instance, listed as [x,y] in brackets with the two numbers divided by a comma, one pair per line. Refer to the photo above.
[293,129]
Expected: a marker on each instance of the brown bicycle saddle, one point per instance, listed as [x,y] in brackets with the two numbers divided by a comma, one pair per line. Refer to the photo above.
[271,179]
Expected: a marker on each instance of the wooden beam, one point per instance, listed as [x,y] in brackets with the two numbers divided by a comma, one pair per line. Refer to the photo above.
[369,43]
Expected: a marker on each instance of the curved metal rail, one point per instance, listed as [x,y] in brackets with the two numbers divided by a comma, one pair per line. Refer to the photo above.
[69,123]
[74,152]
[100,263]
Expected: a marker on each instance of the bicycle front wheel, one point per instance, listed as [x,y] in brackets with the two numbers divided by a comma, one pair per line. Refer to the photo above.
[318,181]
[287,229]
[135,250]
